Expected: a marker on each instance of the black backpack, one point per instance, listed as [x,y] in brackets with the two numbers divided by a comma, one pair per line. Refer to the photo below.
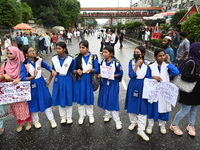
[116,39]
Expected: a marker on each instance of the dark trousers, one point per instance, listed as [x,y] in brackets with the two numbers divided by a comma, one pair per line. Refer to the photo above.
[121,45]
[112,44]
[101,48]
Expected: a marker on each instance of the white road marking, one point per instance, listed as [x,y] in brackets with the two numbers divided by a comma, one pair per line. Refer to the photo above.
[124,84]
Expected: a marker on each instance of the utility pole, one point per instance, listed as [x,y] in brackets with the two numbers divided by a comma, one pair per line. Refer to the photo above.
[130,8]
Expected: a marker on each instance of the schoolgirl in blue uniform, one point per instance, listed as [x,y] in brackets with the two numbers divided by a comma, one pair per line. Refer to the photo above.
[135,105]
[160,71]
[83,89]
[40,96]
[109,90]
[62,94]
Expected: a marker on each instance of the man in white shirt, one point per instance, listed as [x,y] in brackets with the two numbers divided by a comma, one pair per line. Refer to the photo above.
[113,36]
[147,37]
[78,35]
[102,40]
[107,38]
[69,36]
[7,42]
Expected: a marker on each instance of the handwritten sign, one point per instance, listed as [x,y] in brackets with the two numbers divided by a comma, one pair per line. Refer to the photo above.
[10,93]
[155,90]
[107,72]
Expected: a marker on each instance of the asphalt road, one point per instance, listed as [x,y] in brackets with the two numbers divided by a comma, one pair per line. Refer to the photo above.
[100,135]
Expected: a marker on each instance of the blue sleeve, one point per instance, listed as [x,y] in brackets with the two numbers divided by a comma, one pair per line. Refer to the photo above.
[45,65]
[23,72]
[119,70]
[148,74]
[171,54]
[131,72]
[96,66]
[173,70]
[71,68]
[74,65]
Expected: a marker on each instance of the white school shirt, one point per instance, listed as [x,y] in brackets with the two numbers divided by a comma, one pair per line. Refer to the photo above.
[107,38]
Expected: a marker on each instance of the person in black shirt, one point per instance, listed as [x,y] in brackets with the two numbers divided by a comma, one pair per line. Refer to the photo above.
[121,38]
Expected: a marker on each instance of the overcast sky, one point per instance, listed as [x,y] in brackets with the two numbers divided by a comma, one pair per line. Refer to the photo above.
[106,3]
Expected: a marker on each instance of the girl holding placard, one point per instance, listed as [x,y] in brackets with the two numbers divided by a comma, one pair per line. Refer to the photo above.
[135,105]
[159,109]
[12,74]
[109,90]
[62,94]
[40,96]
[83,89]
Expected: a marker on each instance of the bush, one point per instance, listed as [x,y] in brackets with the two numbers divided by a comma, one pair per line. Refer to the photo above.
[156,42]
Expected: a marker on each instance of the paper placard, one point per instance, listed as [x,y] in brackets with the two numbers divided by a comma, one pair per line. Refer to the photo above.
[155,90]
[107,72]
[10,93]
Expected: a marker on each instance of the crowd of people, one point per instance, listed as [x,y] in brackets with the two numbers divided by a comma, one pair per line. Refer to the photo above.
[110,38]
[72,84]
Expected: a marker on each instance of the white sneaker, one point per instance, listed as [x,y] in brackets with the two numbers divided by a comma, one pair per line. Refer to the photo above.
[118,125]
[91,119]
[132,126]
[63,120]
[81,120]
[143,135]
[149,129]
[69,120]
[53,123]
[37,124]
[163,129]
[107,118]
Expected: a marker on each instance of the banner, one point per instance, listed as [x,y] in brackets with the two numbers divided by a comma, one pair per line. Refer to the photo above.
[10,93]
[107,72]
[155,90]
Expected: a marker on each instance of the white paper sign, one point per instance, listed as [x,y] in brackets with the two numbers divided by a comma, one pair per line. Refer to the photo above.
[107,72]
[10,93]
[155,90]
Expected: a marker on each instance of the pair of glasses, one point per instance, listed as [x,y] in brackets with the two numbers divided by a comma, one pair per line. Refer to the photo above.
[32,51]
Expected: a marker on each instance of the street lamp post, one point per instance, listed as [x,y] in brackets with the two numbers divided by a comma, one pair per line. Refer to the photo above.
[130,8]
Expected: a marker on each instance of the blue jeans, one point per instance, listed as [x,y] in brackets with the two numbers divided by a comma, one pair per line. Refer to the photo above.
[185,109]
[1,123]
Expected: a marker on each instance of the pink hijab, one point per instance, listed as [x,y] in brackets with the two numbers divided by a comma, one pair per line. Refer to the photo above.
[13,66]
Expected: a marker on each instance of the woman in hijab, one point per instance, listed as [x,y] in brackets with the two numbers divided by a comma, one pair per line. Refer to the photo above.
[12,74]
[189,101]
[42,45]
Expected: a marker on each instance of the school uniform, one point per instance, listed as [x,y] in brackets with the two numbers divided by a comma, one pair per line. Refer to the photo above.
[40,96]
[108,98]
[159,110]
[83,90]
[135,105]
[62,94]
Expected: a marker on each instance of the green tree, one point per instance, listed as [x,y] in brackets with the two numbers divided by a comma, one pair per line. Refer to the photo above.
[177,17]
[26,12]
[10,12]
[46,11]
[54,12]
[191,26]
[88,22]
[68,12]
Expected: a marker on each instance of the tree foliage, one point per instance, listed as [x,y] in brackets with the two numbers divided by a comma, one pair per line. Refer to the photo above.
[132,25]
[88,22]
[26,12]
[54,12]
[191,26]
[177,17]
[10,12]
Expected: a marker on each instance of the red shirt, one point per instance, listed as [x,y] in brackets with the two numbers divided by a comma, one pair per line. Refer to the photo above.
[54,39]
